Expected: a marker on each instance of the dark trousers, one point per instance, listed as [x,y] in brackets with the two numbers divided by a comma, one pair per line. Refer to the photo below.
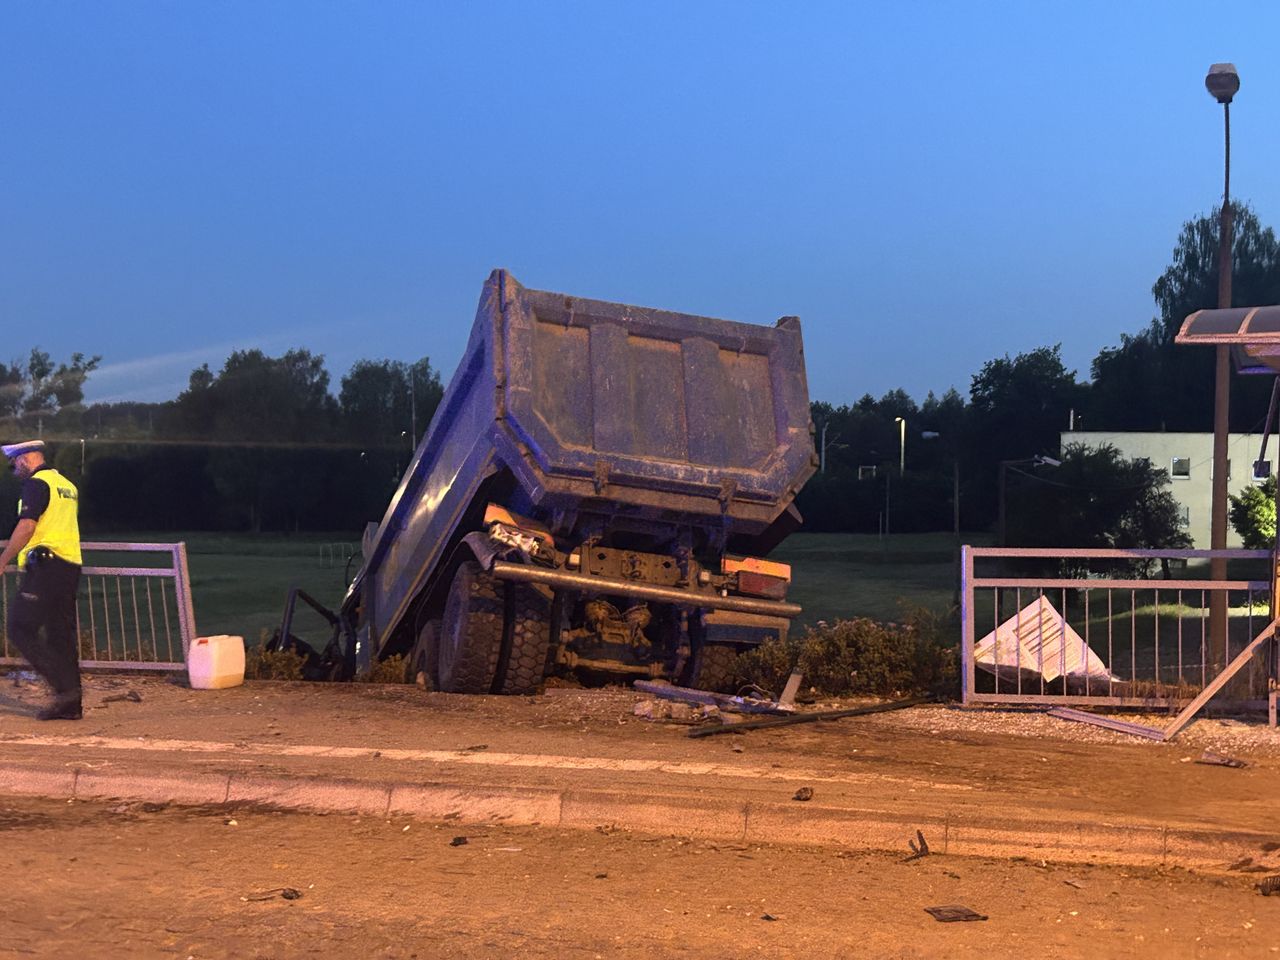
[47,598]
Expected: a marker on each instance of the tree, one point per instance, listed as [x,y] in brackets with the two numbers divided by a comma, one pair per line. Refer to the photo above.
[1018,408]
[1095,499]
[1149,382]
[1253,515]
[12,389]
[254,399]
[375,397]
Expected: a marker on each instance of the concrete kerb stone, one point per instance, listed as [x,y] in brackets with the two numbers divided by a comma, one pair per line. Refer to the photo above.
[311,793]
[157,788]
[694,817]
[834,826]
[1136,844]
[531,806]
[35,781]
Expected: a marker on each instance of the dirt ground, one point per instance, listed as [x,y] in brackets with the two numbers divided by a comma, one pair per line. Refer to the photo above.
[141,881]
[933,760]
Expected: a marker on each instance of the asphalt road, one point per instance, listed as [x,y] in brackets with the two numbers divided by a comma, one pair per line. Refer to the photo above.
[108,880]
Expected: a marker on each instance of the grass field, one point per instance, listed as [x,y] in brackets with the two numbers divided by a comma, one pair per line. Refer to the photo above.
[239,585]
[839,575]
[239,582]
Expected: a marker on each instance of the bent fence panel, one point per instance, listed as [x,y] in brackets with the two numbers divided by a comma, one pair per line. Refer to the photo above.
[136,615]
[1093,627]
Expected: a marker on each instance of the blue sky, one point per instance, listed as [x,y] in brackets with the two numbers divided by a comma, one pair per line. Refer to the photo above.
[927,185]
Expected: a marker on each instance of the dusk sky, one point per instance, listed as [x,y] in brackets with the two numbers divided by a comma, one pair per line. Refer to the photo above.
[927,185]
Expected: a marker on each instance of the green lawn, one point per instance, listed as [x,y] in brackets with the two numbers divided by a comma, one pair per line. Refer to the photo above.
[839,575]
[239,582]
[239,585]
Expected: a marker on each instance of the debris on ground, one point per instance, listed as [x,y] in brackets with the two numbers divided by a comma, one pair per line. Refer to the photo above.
[788,698]
[804,793]
[812,717]
[677,711]
[953,913]
[768,916]
[1247,865]
[668,691]
[458,842]
[1214,759]
[1119,726]
[1269,886]
[917,850]
[133,696]
[1072,882]
[285,893]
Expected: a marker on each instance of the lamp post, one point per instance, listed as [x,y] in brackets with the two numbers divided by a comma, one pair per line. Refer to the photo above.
[955,507]
[1222,82]
[1037,461]
[902,444]
[413,411]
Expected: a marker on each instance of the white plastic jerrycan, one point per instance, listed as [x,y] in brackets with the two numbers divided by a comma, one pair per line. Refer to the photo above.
[216,662]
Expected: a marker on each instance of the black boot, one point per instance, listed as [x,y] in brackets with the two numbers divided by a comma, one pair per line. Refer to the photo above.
[65,706]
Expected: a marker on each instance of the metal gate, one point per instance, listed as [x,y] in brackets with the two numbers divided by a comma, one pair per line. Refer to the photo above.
[134,615]
[1093,627]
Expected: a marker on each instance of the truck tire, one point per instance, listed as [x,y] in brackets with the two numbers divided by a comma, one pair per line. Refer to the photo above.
[471,632]
[425,655]
[529,632]
[717,671]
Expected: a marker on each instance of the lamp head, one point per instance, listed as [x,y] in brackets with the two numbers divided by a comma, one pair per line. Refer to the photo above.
[1222,82]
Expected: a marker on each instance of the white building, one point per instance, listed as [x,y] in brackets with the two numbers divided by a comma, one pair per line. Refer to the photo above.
[1189,459]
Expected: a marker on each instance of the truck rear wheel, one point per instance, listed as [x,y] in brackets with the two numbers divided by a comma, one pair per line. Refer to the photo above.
[529,634]
[717,672]
[471,633]
[425,655]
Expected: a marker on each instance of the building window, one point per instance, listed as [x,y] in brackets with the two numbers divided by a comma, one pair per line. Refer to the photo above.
[1180,469]
[1261,470]
[1184,516]
[867,473]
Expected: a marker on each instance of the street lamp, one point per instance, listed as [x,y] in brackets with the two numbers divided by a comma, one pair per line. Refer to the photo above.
[1036,461]
[1222,82]
[902,444]
[955,507]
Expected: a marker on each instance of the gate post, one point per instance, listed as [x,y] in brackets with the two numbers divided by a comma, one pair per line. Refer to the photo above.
[966,624]
[182,592]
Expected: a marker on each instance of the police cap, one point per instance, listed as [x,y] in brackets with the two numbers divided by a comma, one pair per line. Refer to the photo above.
[15,450]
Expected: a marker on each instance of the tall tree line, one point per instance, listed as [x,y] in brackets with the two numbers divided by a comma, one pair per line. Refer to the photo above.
[268,443]
[263,443]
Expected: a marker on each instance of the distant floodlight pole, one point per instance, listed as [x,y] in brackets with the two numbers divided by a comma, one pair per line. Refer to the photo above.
[1039,461]
[1222,82]
[902,444]
[413,412]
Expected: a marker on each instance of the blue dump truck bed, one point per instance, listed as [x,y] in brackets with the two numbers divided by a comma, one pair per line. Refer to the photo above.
[580,446]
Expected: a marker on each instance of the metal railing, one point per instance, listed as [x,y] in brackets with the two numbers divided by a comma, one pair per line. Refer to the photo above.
[333,555]
[1095,628]
[127,617]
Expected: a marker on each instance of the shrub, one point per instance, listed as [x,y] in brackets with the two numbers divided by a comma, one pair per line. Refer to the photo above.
[862,657]
[262,664]
[391,670]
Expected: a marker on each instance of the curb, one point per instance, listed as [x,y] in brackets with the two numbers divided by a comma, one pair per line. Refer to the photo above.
[1137,843]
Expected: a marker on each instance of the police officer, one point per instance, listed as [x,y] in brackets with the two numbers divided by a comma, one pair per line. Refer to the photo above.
[46,542]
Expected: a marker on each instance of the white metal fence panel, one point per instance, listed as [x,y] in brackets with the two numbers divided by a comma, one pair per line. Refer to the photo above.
[134,615]
[1093,627]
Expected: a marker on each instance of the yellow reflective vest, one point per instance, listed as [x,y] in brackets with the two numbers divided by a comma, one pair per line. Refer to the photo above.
[58,528]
